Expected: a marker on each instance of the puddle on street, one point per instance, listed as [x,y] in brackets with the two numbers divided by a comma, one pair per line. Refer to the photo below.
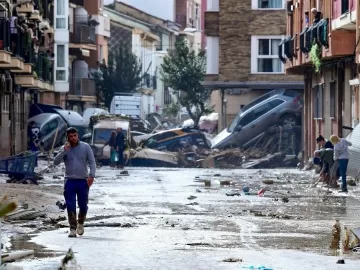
[23,242]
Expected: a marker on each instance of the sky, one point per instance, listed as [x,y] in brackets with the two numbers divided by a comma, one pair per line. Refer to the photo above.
[163,9]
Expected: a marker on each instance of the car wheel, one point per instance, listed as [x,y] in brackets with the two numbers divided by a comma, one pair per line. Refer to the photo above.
[289,120]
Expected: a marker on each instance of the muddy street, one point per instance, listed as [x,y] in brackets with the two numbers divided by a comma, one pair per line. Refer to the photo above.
[169,219]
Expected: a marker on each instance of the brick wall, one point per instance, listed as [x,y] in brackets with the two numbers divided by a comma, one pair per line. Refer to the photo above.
[235,23]
[181,12]
[47,97]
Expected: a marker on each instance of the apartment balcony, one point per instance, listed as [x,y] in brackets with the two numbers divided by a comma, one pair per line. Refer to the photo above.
[295,50]
[148,82]
[83,37]
[5,42]
[17,52]
[82,89]
[344,15]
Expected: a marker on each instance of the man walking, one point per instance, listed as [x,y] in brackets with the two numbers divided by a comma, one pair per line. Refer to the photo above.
[120,148]
[76,156]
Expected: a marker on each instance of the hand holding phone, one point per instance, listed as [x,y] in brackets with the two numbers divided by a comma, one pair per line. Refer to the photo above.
[66,146]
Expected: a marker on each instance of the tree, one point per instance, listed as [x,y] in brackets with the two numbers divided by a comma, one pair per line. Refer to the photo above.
[122,74]
[183,70]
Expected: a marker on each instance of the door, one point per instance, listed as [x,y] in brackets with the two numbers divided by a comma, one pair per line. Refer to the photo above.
[262,120]
[244,130]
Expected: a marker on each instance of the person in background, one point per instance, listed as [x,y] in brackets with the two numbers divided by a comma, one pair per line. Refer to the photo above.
[316,14]
[323,144]
[307,18]
[341,153]
[113,152]
[120,148]
[327,158]
[77,156]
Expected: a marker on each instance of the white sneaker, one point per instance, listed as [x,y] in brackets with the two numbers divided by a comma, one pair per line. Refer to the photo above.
[80,229]
[72,233]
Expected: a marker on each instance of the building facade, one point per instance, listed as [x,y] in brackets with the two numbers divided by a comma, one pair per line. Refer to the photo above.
[26,67]
[89,31]
[150,38]
[189,18]
[322,47]
[242,39]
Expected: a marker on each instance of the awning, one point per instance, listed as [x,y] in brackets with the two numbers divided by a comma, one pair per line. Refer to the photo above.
[254,85]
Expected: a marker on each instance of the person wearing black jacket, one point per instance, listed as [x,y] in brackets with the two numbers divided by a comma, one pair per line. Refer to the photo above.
[120,148]
[113,152]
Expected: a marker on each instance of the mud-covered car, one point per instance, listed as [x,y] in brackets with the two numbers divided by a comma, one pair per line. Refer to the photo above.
[176,139]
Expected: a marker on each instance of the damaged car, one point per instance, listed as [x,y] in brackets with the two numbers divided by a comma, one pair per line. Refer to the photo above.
[176,139]
[278,107]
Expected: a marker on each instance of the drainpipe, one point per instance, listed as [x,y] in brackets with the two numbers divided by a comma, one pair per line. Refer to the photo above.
[357,31]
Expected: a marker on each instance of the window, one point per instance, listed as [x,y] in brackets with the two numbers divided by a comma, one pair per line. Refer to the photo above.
[60,14]
[60,73]
[268,4]
[264,55]
[190,13]
[276,102]
[318,101]
[332,99]
[197,17]
[247,119]
[261,110]
[45,130]
[344,6]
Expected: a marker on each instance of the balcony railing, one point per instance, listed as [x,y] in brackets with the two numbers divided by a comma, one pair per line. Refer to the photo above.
[47,10]
[83,34]
[82,87]
[43,66]
[148,82]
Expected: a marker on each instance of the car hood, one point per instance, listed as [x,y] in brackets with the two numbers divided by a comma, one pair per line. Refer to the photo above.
[220,138]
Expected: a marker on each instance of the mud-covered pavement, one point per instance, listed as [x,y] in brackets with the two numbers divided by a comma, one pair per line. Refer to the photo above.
[170,220]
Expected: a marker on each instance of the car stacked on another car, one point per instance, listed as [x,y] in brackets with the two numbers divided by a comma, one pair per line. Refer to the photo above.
[278,107]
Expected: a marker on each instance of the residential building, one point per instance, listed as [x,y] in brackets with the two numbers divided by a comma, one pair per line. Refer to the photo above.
[242,39]
[89,31]
[203,10]
[26,66]
[188,16]
[322,49]
[150,38]
[163,9]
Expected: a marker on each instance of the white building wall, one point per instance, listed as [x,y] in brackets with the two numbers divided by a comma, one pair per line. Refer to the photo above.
[212,55]
[103,29]
[61,46]
[160,87]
